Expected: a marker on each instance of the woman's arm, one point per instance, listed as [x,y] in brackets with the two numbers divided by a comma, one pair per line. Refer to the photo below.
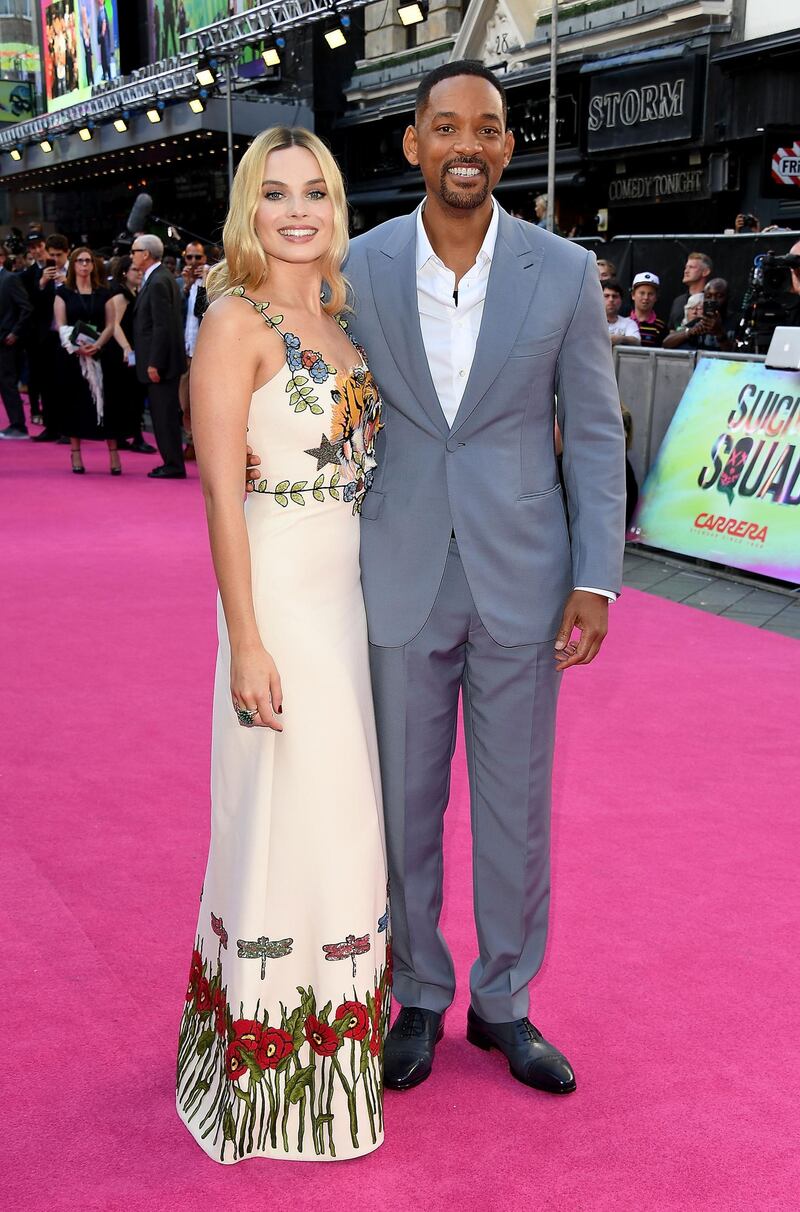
[59,311]
[120,305]
[108,331]
[230,360]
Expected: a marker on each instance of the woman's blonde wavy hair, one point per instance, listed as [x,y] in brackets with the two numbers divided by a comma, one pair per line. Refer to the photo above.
[246,264]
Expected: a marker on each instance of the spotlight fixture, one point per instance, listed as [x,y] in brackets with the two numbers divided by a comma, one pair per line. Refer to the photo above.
[86,132]
[155,112]
[16,153]
[271,53]
[335,35]
[121,123]
[197,104]
[206,73]
[46,145]
[412,14]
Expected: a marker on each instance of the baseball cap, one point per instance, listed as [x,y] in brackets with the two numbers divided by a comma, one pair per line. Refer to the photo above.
[646,277]
[33,237]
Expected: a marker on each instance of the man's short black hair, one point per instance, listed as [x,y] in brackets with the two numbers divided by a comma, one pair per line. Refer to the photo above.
[612,284]
[447,71]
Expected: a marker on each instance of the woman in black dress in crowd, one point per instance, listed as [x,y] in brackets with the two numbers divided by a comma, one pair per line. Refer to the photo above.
[129,392]
[89,410]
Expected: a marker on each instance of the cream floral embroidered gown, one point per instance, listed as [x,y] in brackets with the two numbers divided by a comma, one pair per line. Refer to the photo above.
[281,1040]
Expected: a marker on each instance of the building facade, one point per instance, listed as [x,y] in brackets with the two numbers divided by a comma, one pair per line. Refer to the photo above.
[668,114]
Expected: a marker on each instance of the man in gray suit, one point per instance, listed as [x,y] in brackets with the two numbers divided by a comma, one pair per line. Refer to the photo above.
[475,325]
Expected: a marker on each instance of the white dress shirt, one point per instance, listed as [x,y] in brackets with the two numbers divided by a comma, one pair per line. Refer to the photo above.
[192,325]
[148,272]
[451,322]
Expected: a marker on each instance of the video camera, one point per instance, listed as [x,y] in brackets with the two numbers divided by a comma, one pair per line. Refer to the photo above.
[767,300]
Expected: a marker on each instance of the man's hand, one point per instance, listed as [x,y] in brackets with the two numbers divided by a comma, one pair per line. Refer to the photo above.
[252,463]
[588,612]
[153,375]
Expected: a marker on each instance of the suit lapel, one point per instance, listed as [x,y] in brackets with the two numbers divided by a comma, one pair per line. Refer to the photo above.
[393,271]
[515,270]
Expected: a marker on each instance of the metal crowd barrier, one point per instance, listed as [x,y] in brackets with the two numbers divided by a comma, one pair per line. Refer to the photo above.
[651,383]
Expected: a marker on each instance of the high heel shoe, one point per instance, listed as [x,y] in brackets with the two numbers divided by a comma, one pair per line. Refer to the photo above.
[78,468]
[115,469]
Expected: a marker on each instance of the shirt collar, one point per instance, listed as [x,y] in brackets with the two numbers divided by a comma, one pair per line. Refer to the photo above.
[148,271]
[485,253]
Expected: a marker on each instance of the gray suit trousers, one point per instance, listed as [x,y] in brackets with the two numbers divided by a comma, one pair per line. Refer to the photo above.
[509,704]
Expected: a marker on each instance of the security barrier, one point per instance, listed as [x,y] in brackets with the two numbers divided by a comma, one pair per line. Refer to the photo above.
[651,383]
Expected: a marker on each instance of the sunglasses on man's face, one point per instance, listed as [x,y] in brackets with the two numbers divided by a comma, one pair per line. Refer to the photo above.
[193,256]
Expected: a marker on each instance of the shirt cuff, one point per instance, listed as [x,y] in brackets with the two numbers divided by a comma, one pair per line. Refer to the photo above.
[604,593]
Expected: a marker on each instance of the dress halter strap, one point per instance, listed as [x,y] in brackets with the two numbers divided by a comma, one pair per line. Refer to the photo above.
[261,308]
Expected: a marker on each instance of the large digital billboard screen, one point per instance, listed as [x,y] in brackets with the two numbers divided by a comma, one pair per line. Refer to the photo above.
[80,48]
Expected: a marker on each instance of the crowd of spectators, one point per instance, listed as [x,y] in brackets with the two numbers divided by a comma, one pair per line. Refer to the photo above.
[93,339]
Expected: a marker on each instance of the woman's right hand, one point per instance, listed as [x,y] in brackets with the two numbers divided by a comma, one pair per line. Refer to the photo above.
[256,683]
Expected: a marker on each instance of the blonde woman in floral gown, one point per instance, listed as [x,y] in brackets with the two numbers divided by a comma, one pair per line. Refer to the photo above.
[281,1040]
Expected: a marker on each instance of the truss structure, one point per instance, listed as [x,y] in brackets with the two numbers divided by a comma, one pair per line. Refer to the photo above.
[174,78]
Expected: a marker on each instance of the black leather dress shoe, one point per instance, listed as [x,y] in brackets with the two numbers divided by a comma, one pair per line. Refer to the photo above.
[47,435]
[166,473]
[531,1059]
[409,1048]
[142,447]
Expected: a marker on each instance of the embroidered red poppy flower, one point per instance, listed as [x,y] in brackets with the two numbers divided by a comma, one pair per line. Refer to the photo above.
[219,1007]
[195,972]
[309,358]
[275,1044]
[203,995]
[234,1065]
[357,1017]
[322,1038]
[375,1043]
[247,1032]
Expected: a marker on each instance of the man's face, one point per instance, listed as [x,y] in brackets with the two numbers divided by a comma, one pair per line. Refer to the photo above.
[58,255]
[694,272]
[170,263]
[460,141]
[613,302]
[715,294]
[194,256]
[37,250]
[644,297]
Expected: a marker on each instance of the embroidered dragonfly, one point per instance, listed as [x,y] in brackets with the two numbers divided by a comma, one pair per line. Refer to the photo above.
[383,922]
[218,926]
[349,949]
[263,949]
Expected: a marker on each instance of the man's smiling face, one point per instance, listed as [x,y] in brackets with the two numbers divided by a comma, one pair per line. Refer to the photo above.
[460,141]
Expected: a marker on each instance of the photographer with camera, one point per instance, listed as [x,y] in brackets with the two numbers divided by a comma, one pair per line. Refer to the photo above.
[772,299]
[746,225]
[708,329]
[195,269]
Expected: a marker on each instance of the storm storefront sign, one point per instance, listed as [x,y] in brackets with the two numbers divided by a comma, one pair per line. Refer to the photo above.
[642,105]
[668,185]
[781,163]
[726,483]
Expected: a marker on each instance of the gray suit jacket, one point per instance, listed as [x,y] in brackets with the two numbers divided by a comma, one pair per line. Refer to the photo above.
[493,477]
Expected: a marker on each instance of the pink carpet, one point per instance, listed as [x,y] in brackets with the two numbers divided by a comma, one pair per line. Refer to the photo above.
[673,970]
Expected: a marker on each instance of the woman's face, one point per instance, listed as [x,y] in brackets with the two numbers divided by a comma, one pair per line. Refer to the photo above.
[294,219]
[83,266]
[134,278]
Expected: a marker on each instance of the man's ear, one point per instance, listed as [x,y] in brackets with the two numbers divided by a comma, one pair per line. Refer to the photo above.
[410,149]
[509,147]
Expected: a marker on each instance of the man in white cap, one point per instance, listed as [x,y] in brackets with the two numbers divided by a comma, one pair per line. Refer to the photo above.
[644,293]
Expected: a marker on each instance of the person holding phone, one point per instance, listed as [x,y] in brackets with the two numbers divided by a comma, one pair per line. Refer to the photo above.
[709,330]
[195,269]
